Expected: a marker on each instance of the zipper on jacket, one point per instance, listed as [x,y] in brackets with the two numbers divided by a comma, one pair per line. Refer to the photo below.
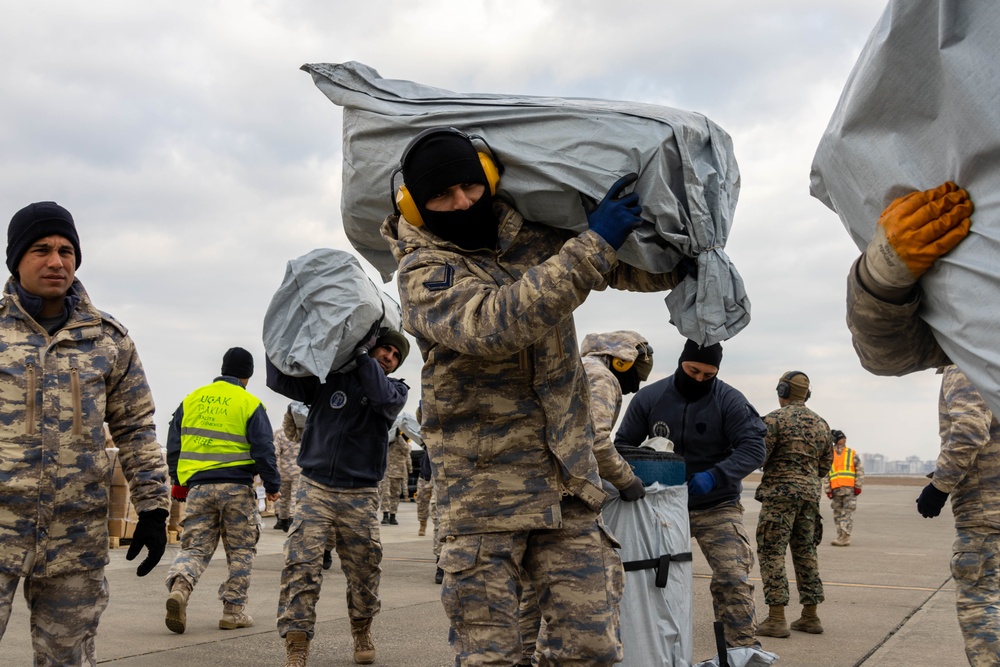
[29,400]
[74,383]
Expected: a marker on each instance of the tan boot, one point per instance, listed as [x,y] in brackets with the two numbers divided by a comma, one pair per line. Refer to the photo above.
[423,528]
[233,617]
[364,643]
[809,621]
[775,625]
[177,603]
[843,540]
[296,649]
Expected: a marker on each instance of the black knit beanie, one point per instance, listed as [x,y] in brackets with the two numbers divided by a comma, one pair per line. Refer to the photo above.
[36,221]
[439,162]
[237,363]
[711,355]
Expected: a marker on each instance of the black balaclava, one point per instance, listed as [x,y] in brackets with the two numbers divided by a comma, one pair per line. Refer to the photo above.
[689,388]
[629,380]
[436,164]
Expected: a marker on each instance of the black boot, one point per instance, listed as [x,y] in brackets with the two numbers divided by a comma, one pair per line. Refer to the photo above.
[280,524]
[385,518]
[392,520]
[327,560]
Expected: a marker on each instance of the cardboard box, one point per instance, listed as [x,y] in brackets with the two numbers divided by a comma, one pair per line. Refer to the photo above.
[121,528]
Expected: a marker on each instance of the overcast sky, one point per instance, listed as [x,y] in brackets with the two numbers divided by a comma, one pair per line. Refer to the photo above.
[198,159]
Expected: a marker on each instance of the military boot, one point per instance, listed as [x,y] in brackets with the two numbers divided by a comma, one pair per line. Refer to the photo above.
[327,559]
[809,622]
[364,643]
[385,518]
[233,617]
[392,520]
[296,649]
[843,540]
[423,528]
[775,625]
[177,603]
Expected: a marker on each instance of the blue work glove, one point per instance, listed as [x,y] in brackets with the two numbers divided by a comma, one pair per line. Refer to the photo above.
[701,483]
[150,532]
[633,491]
[617,214]
[931,501]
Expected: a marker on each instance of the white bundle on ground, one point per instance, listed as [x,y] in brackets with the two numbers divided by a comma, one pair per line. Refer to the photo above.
[921,107]
[324,309]
[554,149]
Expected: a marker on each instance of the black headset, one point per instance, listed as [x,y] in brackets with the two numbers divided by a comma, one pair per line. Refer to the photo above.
[785,390]
[402,201]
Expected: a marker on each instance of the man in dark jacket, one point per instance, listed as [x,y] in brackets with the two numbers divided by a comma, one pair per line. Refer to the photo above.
[219,438]
[343,457]
[721,437]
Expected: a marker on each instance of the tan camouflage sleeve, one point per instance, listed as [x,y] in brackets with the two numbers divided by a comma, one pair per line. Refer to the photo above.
[476,317]
[968,419]
[859,471]
[605,402]
[889,339]
[129,415]
[625,277]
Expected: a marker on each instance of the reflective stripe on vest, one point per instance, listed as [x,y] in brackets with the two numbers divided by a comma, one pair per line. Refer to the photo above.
[842,471]
[214,429]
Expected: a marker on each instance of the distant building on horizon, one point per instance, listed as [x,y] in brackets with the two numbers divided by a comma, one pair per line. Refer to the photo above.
[876,464]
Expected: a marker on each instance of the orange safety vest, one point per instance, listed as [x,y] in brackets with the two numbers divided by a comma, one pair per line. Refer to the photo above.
[842,471]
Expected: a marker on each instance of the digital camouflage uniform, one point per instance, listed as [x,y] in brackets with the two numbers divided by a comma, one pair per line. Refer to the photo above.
[892,340]
[506,419]
[399,466]
[56,479]
[845,501]
[287,440]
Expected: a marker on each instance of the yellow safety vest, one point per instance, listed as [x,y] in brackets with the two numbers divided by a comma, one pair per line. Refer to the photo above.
[842,471]
[214,429]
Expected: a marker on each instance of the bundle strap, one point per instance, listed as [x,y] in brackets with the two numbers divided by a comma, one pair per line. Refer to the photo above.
[661,565]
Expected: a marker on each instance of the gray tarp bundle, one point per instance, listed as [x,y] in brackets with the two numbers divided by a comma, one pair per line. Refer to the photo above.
[323,310]
[408,424]
[921,107]
[656,622]
[553,149]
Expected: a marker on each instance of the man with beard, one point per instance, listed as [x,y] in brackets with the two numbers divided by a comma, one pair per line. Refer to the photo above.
[489,297]
[721,437]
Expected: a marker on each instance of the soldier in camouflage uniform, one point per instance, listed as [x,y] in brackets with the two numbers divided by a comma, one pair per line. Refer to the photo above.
[393,485]
[799,454]
[219,439]
[506,411]
[287,441]
[843,486]
[67,368]
[344,449]
[883,302]
[721,437]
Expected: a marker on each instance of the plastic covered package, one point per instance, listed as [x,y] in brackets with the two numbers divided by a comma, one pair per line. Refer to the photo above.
[324,309]
[553,150]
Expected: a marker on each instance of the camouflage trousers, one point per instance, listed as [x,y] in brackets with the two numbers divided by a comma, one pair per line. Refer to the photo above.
[427,508]
[975,566]
[390,489]
[285,505]
[726,546]
[576,573]
[844,505]
[784,523]
[65,612]
[350,517]
[219,511]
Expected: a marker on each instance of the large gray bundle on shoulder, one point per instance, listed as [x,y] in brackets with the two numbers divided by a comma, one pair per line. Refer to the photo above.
[553,149]
[921,107]
[324,309]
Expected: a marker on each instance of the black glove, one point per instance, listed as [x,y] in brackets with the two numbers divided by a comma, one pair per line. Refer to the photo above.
[633,491]
[617,214]
[150,532]
[931,501]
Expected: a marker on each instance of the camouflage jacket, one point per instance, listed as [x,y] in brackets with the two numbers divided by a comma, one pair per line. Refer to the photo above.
[287,441]
[968,466]
[505,405]
[606,399]
[799,453]
[400,464]
[859,478]
[55,476]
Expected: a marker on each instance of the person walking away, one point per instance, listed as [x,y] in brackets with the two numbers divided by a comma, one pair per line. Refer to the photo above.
[393,485]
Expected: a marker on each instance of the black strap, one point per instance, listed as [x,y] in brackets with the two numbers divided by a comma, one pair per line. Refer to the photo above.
[661,565]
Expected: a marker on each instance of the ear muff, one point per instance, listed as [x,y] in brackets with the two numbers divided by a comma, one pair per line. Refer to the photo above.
[403,203]
[784,389]
[621,365]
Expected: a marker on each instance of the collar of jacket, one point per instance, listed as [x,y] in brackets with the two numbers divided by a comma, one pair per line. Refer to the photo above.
[82,311]
[407,238]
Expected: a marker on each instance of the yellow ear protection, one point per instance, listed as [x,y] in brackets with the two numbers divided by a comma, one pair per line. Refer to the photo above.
[402,202]
[621,365]
[785,390]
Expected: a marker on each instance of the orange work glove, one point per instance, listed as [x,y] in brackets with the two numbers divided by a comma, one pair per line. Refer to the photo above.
[914,230]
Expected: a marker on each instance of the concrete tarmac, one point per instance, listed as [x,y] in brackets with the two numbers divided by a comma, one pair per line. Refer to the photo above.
[890,602]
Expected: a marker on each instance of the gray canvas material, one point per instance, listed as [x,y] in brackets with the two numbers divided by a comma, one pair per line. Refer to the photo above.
[922,106]
[553,149]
